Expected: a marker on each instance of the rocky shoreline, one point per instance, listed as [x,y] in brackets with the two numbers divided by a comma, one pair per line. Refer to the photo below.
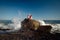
[31,30]
[29,35]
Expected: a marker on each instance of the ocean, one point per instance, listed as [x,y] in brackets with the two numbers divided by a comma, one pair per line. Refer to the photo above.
[52,21]
[46,21]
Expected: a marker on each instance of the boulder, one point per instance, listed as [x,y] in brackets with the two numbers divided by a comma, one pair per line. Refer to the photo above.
[30,24]
[35,25]
[34,29]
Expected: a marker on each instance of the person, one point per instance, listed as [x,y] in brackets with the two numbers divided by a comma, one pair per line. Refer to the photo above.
[29,16]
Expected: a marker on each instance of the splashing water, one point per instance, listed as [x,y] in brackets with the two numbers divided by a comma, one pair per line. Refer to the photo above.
[16,23]
[42,22]
[55,28]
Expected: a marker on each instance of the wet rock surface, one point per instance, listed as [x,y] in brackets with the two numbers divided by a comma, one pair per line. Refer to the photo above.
[29,36]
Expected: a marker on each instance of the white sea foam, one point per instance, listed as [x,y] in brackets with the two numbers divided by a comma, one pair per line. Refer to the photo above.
[55,27]
[3,26]
[42,22]
[16,25]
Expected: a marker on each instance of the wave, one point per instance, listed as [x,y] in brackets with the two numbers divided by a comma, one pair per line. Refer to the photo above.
[42,22]
[16,25]
[55,27]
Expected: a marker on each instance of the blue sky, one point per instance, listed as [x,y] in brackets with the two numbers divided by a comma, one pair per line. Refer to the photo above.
[40,9]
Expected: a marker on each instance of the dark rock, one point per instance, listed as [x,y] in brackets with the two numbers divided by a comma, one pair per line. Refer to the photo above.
[30,24]
[35,25]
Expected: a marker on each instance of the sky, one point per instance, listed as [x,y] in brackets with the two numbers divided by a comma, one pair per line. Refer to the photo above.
[40,9]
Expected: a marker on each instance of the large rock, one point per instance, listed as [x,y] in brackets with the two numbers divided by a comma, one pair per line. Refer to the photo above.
[35,25]
[35,29]
[30,24]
